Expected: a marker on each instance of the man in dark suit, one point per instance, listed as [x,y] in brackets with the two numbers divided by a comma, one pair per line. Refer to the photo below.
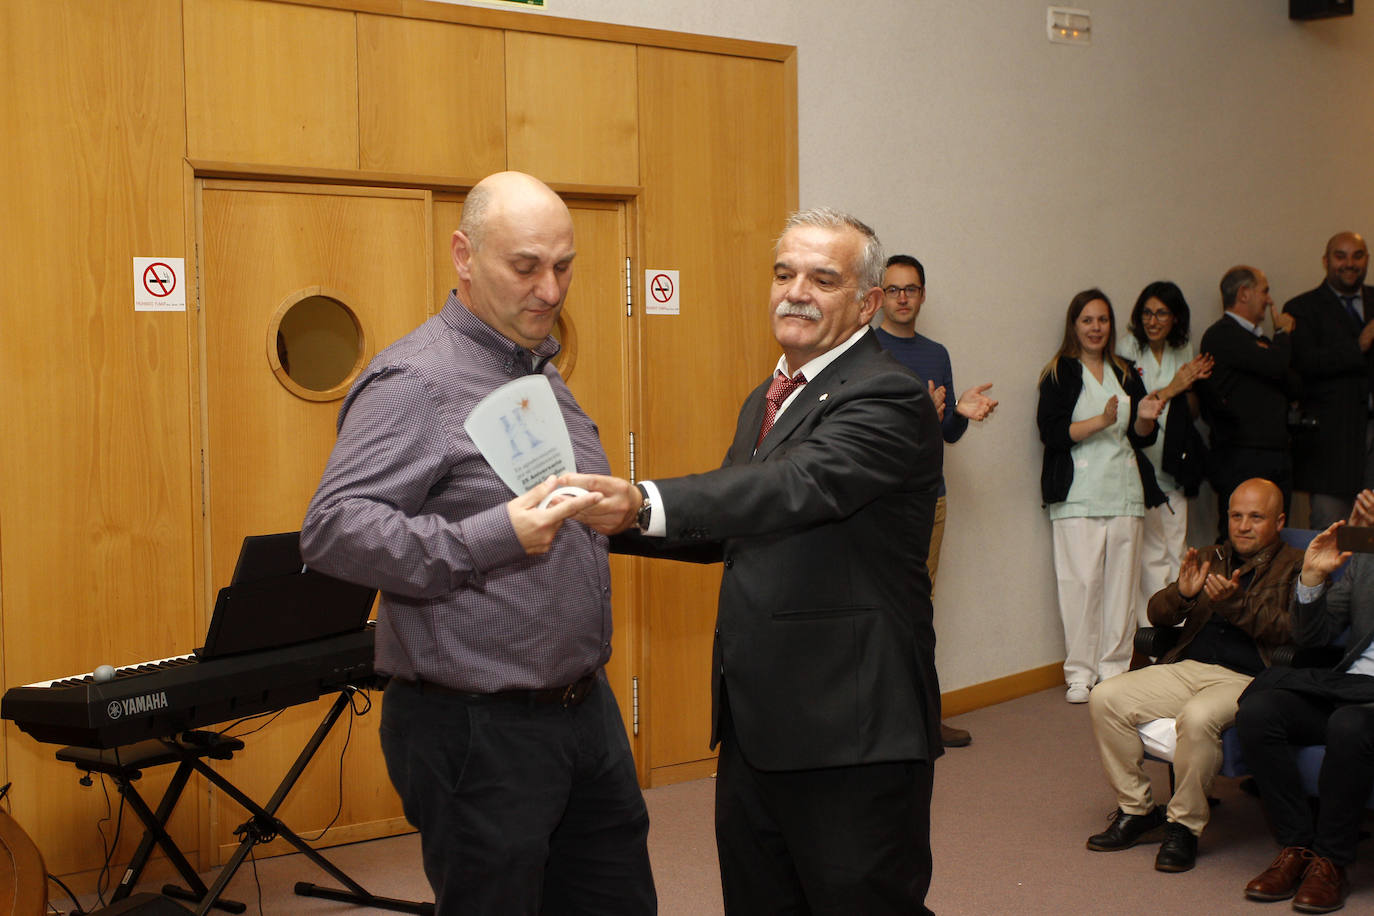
[827,708]
[1331,353]
[1245,402]
[1331,706]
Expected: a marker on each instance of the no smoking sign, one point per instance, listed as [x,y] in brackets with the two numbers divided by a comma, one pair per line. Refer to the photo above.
[159,284]
[661,293]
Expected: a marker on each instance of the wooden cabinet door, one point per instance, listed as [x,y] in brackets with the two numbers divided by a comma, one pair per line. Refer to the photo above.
[265,446]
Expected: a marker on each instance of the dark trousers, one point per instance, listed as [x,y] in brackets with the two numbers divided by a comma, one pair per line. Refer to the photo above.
[522,809]
[1233,466]
[841,841]
[1283,708]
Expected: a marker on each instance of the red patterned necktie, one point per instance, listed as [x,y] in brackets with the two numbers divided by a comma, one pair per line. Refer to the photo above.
[778,391]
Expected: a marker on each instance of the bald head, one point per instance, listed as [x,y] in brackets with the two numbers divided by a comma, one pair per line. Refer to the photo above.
[503,193]
[1256,516]
[1346,260]
[514,251]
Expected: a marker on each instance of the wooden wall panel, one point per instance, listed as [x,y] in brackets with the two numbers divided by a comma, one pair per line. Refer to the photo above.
[94,423]
[271,83]
[102,552]
[431,97]
[571,109]
[713,138]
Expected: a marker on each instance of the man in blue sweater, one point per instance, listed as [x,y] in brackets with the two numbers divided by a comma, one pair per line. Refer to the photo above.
[904,292]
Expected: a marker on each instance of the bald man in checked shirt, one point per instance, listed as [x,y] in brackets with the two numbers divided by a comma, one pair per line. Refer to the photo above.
[499,730]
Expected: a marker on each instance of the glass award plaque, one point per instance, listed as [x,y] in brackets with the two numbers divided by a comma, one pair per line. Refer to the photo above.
[520,431]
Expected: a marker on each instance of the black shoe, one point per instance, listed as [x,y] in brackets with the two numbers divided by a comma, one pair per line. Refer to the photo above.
[1178,852]
[954,737]
[1126,830]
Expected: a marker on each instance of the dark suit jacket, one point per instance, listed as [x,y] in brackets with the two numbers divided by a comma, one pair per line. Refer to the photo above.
[1336,381]
[1347,604]
[1245,402]
[824,643]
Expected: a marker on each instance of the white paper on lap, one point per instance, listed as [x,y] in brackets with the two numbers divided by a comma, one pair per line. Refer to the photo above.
[1160,737]
[520,431]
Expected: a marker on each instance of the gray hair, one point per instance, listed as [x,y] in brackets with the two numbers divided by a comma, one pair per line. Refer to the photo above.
[870,266]
[473,223]
[1235,280]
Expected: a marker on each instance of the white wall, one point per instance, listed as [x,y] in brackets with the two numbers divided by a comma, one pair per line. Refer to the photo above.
[1189,137]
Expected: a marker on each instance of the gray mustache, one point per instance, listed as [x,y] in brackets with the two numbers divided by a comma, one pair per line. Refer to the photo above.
[797,309]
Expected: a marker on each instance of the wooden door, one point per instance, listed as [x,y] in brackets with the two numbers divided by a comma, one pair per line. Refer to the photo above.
[715,142]
[262,245]
[596,363]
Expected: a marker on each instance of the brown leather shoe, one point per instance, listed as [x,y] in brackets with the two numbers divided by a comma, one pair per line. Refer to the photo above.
[1281,879]
[954,737]
[1324,888]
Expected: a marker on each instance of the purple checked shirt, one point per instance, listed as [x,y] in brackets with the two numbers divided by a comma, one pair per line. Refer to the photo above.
[409,505]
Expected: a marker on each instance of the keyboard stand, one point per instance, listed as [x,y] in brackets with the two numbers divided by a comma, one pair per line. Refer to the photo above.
[124,765]
[263,826]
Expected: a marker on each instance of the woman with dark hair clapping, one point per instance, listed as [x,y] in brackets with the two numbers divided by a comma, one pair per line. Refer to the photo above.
[1158,345]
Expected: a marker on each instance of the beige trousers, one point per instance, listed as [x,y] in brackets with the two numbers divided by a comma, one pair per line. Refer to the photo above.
[1201,698]
[937,537]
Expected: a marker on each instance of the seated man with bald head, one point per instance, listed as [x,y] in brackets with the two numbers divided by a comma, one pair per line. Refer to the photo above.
[1233,602]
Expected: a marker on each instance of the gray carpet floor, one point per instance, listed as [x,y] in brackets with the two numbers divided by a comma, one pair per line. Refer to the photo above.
[1009,819]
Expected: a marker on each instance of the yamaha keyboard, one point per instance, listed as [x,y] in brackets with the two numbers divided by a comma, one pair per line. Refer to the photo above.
[159,699]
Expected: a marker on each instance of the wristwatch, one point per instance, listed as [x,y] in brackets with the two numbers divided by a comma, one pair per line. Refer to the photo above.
[646,509]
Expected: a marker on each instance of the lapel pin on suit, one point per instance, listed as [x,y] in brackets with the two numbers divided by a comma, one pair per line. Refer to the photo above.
[823,396]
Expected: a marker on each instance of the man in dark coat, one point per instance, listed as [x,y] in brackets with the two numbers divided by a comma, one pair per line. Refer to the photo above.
[827,706]
[1245,402]
[1332,355]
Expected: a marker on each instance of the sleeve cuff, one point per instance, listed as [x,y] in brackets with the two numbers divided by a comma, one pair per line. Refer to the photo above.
[1307,594]
[490,539]
[658,518]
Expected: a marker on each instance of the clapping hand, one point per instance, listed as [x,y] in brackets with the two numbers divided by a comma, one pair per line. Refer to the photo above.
[974,404]
[1362,515]
[1199,366]
[1367,337]
[1109,412]
[1149,408]
[938,396]
[1219,587]
[1192,574]
[1323,556]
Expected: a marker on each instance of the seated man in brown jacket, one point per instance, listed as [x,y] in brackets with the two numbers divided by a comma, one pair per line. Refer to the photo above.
[1233,601]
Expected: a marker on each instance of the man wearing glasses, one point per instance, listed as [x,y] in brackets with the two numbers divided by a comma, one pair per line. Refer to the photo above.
[904,291]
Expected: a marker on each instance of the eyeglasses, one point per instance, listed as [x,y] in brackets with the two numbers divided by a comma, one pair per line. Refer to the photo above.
[1161,315]
[892,292]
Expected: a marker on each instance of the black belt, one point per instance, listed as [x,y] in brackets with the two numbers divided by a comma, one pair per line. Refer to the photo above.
[571,695]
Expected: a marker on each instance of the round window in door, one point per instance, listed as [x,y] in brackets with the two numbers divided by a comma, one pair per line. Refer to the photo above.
[315,344]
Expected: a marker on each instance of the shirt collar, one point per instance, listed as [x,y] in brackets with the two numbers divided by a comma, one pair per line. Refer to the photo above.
[1249,326]
[816,366]
[1357,295]
[457,316]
